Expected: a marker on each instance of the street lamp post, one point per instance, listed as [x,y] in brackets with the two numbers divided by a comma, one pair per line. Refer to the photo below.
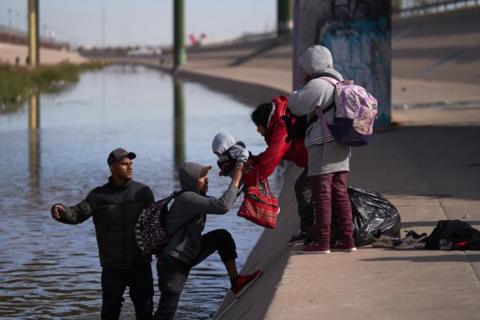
[9,24]
[179,55]
[284,17]
[33,38]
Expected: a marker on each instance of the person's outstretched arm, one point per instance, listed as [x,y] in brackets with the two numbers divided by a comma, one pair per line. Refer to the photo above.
[221,205]
[267,161]
[72,215]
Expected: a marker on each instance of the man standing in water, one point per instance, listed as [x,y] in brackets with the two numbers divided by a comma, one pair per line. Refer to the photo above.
[115,207]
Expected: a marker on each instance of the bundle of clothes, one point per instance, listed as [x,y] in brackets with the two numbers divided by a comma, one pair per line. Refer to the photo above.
[229,152]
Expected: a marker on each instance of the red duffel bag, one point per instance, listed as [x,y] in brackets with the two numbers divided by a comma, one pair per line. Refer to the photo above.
[260,206]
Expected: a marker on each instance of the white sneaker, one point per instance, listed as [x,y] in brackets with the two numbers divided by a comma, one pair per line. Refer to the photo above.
[413,240]
[385,241]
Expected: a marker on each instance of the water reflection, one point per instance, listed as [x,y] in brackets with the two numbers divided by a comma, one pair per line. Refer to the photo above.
[179,121]
[34,111]
[34,140]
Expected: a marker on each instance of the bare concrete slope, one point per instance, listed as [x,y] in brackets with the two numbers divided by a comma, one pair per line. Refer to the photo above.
[444,46]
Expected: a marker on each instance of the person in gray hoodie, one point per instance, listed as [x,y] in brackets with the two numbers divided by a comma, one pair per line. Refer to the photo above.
[328,160]
[187,246]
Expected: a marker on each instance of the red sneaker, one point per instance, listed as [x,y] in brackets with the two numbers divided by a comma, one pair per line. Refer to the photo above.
[315,247]
[241,283]
[344,246]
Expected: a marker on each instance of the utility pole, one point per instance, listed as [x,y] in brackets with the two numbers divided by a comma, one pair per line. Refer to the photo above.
[179,55]
[103,24]
[33,38]
[178,122]
[284,17]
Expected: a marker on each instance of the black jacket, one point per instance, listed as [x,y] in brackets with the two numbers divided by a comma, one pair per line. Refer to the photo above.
[115,211]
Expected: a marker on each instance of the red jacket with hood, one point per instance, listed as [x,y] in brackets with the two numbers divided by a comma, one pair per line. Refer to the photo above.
[278,149]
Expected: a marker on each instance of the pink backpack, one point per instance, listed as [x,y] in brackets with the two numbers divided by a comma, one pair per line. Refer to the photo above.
[355,113]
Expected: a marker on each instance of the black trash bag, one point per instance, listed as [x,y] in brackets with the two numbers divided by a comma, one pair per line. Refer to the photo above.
[372,215]
[455,235]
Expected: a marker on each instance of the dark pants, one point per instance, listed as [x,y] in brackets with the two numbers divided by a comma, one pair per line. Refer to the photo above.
[303,193]
[328,188]
[140,283]
[172,272]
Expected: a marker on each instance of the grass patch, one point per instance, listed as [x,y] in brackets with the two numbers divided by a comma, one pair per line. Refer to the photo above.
[18,82]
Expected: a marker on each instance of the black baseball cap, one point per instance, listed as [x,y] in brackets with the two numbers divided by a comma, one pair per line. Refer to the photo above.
[120,154]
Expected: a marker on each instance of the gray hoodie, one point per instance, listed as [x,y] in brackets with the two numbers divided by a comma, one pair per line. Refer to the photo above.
[222,142]
[187,216]
[315,61]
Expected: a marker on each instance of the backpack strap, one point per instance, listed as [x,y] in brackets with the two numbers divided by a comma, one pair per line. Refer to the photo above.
[176,193]
[330,80]
[330,107]
[326,75]
[334,82]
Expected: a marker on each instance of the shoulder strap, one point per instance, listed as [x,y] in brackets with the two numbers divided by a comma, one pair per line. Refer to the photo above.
[176,193]
[323,111]
[330,80]
[330,107]
[172,196]
[333,81]
[326,75]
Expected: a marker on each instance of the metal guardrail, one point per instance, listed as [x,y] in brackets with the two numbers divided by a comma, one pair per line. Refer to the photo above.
[436,7]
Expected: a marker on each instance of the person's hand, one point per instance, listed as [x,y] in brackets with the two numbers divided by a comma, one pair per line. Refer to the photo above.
[57,210]
[239,153]
[242,157]
[247,166]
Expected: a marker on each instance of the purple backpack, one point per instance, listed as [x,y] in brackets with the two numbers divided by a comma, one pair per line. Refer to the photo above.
[355,113]
[150,230]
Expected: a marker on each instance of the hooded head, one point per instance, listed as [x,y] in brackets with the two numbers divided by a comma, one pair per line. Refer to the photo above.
[318,60]
[222,142]
[189,173]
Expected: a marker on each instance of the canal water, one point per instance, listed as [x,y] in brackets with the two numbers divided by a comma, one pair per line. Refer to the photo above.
[50,270]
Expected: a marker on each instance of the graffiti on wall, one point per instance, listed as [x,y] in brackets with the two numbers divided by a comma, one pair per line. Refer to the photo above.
[360,43]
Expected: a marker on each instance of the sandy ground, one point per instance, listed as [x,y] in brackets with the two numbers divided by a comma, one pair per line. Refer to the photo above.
[9,52]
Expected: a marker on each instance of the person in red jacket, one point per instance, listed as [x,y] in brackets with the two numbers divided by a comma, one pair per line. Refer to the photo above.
[268,119]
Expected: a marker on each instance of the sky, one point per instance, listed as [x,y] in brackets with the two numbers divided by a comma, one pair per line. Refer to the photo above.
[141,22]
